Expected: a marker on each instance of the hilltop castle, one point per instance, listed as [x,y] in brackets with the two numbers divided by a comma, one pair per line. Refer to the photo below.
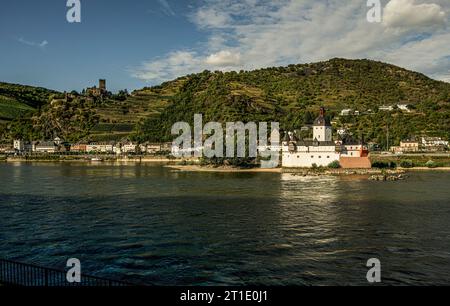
[322,150]
[98,92]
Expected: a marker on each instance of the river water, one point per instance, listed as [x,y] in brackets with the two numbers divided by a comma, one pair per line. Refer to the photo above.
[148,224]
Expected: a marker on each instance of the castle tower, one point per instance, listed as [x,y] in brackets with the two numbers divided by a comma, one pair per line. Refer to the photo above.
[322,130]
[102,84]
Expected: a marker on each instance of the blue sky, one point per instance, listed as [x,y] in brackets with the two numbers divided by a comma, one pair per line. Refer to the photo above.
[113,37]
[133,43]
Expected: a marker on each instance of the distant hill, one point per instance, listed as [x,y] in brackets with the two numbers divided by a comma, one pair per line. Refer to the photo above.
[290,95]
[16,100]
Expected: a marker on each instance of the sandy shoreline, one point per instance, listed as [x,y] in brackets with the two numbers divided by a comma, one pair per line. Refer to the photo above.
[426,169]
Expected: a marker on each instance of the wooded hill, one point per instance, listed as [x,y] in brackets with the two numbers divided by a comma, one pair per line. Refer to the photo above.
[290,95]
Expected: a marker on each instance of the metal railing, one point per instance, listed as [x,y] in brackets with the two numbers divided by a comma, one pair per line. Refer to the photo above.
[20,274]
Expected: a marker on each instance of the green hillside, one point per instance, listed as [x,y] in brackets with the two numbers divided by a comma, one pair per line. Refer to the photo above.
[20,101]
[29,95]
[290,95]
[11,108]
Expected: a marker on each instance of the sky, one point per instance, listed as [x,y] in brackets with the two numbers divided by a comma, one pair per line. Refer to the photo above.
[137,43]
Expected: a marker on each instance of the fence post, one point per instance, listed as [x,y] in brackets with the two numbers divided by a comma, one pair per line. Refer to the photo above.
[46,278]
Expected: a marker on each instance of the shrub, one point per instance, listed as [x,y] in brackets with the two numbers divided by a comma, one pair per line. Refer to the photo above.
[384,165]
[406,164]
[431,164]
[334,165]
[314,166]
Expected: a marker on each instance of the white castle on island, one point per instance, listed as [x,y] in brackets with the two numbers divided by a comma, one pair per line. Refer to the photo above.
[322,150]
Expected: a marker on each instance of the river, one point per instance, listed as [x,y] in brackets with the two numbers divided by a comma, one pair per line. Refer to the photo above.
[148,224]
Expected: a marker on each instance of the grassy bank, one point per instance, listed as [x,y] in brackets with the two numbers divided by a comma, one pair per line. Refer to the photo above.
[410,161]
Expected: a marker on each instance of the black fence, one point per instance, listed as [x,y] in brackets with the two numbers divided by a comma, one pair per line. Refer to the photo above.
[20,274]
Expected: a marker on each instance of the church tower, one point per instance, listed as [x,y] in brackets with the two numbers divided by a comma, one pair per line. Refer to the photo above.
[322,130]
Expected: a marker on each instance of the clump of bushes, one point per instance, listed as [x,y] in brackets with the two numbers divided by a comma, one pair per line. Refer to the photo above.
[406,164]
[431,164]
[334,165]
[237,162]
[384,165]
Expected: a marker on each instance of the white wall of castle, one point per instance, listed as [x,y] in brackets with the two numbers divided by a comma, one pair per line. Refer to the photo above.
[308,159]
[322,133]
[306,156]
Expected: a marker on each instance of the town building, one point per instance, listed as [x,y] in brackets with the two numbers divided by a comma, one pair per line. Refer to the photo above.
[21,146]
[410,146]
[153,148]
[346,112]
[406,146]
[342,132]
[404,107]
[102,147]
[79,147]
[166,147]
[434,144]
[322,150]
[128,147]
[45,147]
[385,108]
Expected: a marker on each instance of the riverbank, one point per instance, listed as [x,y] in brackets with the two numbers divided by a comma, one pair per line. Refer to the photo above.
[303,171]
[196,168]
[427,169]
[295,171]
[174,164]
[84,159]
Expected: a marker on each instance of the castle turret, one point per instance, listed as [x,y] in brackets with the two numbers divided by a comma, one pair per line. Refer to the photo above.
[102,84]
[322,130]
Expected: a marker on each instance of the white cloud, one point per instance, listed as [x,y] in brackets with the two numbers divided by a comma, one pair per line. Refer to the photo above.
[409,14]
[41,45]
[224,59]
[166,8]
[210,18]
[173,65]
[250,34]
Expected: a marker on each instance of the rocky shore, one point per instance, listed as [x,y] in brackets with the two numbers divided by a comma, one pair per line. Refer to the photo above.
[321,171]
[388,177]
